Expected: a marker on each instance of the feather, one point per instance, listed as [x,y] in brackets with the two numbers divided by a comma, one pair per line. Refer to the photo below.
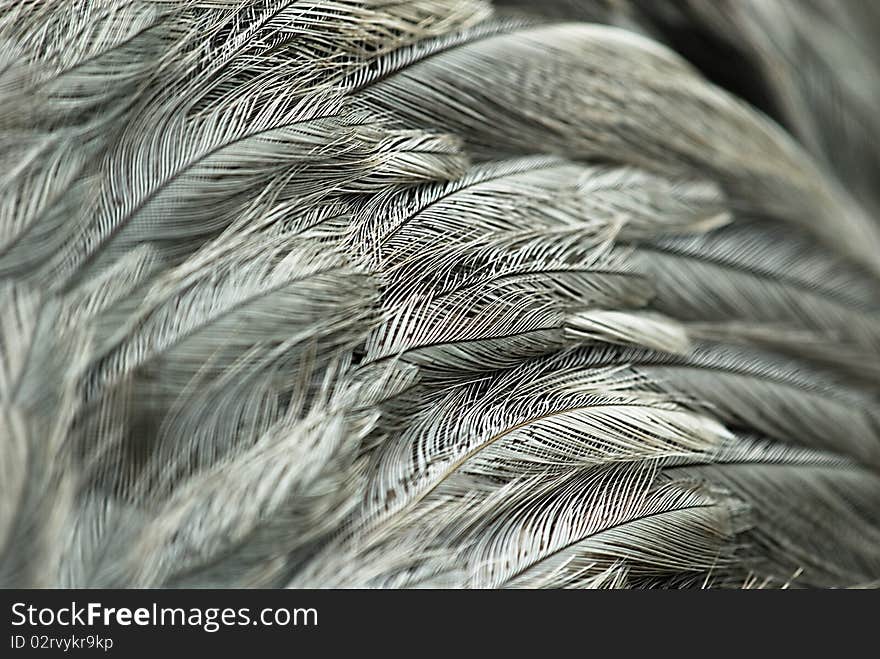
[530,194]
[573,530]
[386,293]
[583,525]
[760,273]
[523,306]
[176,193]
[205,353]
[829,350]
[506,429]
[759,391]
[171,157]
[286,478]
[82,63]
[38,404]
[793,56]
[831,493]
[493,91]
[647,330]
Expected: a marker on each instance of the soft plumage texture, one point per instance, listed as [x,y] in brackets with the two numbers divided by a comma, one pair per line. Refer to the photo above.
[431,293]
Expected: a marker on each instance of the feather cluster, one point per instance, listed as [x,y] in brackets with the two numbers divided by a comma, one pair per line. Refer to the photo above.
[431,293]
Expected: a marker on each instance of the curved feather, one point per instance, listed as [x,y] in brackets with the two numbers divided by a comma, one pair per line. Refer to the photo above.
[503,95]
[837,503]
